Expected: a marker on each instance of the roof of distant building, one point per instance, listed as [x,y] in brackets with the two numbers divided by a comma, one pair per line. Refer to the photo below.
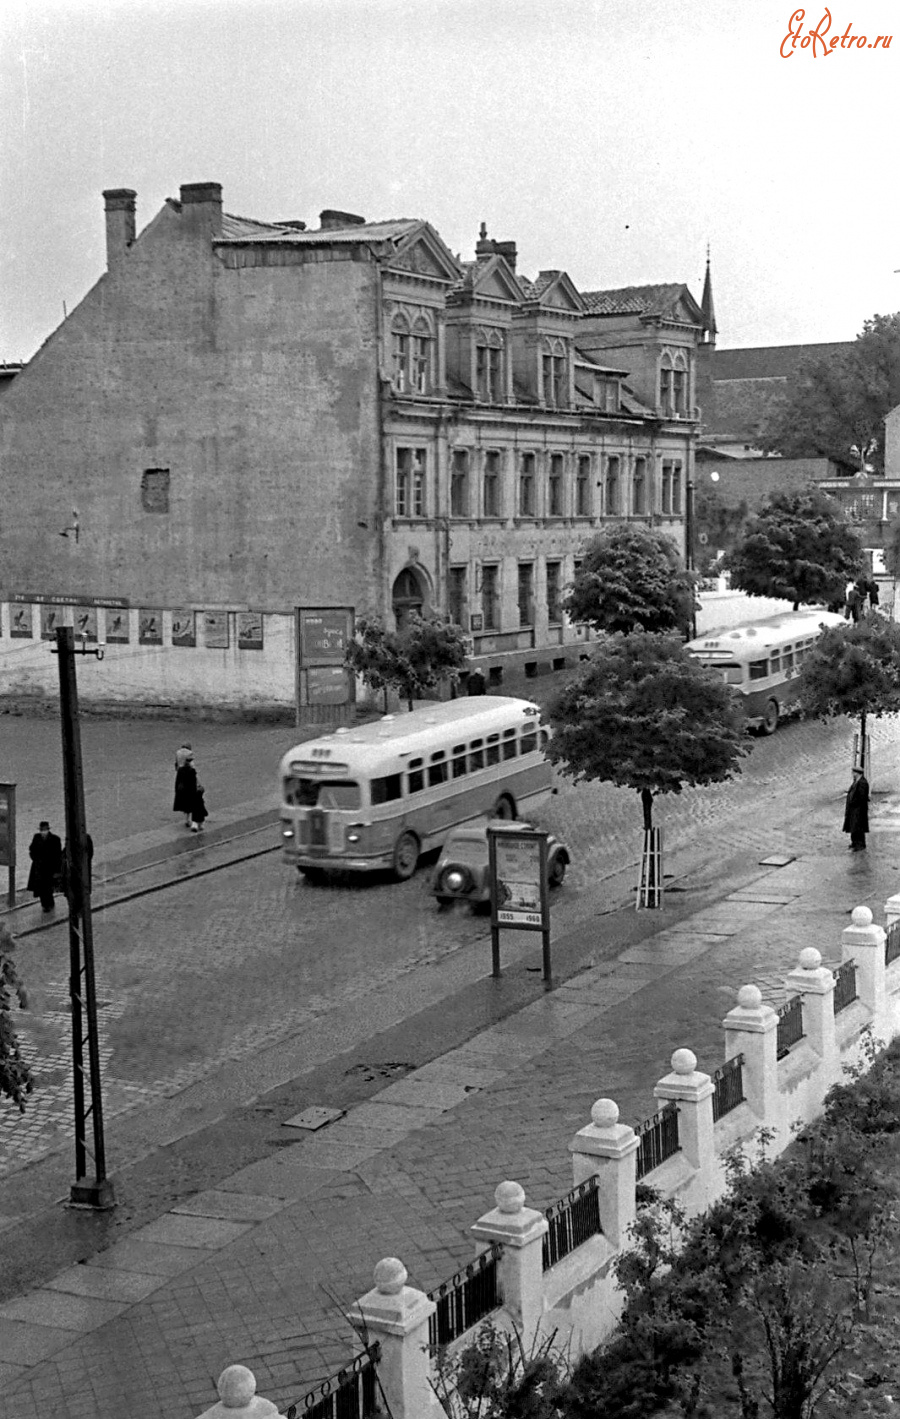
[246,229]
[635,300]
[771,361]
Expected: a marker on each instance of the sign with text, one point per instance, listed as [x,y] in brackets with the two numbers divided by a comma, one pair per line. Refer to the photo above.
[250,630]
[21,622]
[325,633]
[517,858]
[327,685]
[215,630]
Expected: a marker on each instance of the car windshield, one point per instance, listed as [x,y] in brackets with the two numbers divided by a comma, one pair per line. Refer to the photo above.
[470,848]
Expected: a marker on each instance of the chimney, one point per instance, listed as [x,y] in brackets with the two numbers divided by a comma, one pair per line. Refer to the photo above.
[331,220]
[120,223]
[506,249]
[201,204]
[484,246]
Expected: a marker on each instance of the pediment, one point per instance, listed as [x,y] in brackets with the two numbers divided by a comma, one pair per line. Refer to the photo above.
[495,281]
[558,292]
[685,308]
[424,254]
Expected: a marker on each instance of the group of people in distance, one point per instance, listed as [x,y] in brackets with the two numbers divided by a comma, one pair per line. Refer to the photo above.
[858,593]
[189,792]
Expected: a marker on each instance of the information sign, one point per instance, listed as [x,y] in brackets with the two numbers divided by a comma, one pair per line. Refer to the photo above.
[327,685]
[325,634]
[517,857]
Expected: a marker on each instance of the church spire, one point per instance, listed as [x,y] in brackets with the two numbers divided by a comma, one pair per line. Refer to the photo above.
[706,305]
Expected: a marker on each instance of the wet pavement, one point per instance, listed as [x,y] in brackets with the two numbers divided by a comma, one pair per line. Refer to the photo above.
[258,1260]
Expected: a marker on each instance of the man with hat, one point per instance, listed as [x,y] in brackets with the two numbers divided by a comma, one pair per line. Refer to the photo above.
[856,811]
[46,856]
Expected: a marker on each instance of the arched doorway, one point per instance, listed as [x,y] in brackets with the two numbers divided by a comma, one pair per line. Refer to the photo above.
[408,595]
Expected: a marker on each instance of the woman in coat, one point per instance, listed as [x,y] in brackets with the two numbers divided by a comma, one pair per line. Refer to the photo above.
[185,790]
[856,812]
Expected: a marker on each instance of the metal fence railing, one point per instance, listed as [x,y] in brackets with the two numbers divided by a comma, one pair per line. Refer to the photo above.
[844,986]
[350,1394]
[790,1025]
[572,1220]
[658,1140]
[465,1299]
[892,943]
[729,1087]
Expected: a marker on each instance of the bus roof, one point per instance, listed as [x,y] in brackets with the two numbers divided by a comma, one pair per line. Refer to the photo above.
[385,740]
[769,630]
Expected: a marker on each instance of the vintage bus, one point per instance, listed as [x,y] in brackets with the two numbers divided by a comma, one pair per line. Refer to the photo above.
[760,659]
[381,794]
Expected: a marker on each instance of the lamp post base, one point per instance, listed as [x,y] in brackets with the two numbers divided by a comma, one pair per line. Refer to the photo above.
[98,1196]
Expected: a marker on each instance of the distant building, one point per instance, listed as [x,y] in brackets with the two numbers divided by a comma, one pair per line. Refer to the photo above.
[245,418]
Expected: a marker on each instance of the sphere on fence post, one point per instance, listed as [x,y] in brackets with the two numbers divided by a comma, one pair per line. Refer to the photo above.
[238,1399]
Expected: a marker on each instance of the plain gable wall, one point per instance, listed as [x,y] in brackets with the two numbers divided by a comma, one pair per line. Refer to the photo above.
[257,389]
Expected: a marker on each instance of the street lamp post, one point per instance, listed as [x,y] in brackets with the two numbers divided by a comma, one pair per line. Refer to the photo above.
[689,548]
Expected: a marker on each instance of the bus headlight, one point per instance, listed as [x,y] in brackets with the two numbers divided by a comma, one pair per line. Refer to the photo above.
[287,833]
[354,832]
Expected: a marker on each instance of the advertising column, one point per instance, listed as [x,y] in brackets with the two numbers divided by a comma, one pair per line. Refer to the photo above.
[325,687]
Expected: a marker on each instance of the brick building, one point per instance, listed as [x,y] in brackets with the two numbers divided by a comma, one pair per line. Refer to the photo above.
[245,418]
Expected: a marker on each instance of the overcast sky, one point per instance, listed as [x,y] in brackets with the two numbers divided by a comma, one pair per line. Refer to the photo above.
[610,138]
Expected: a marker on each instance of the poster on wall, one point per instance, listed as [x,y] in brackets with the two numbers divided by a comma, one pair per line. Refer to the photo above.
[117,632]
[21,621]
[215,630]
[325,634]
[327,685]
[51,620]
[85,623]
[250,630]
[184,628]
[149,627]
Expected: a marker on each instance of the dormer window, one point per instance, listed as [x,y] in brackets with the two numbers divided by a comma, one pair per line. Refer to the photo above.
[489,384]
[412,355]
[554,374]
[680,385]
[673,384]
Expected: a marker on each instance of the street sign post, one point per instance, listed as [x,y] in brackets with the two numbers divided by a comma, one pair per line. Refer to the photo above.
[520,887]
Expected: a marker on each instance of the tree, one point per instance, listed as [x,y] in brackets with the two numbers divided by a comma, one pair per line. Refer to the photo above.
[16,1079]
[644,715]
[630,577]
[838,406]
[417,658]
[798,547]
[718,522]
[853,669]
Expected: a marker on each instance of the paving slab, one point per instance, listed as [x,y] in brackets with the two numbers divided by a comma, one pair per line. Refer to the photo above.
[282,1177]
[25,1344]
[191,1231]
[106,1285]
[320,1153]
[62,1309]
[8,1373]
[667,951]
[152,1258]
[425,1093]
[376,1115]
[231,1206]
[454,1069]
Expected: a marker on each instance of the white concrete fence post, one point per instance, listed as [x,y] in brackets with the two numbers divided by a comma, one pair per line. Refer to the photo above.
[692,1091]
[238,1398]
[520,1274]
[863,942]
[607,1150]
[751,1029]
[397,1315]
[815,984]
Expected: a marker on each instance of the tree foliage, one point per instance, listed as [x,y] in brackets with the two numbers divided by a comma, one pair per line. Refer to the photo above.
[720,522]
[413,660]
[644,715]
[16,1079]
[853,669]
[839,403]
[798,547]
[630,578]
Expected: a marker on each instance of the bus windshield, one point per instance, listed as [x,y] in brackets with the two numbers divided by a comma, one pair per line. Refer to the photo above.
[732,674]
[313,793]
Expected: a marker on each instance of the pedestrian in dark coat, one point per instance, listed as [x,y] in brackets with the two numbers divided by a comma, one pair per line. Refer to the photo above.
[185,789]
[856,812]
[199,813]
[45,851]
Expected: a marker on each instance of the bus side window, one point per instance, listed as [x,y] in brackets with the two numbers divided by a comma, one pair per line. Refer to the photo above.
[459,760]
[529,741]
[493,749]
[787,658]
[476,754]
[437,769]
[544,737]
[386,790]
[759,669]
[509,747]
[416,776]
[775,663]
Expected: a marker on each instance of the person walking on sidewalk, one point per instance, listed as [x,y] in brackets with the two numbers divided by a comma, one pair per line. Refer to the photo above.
[856,811]
[45,851]
[199,812]
[185,786]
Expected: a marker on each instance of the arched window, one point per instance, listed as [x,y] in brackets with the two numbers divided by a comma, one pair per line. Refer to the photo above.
[666,385]
[400,348]
[408,595]
[611,505]
[639,488]
[554,374]
[412,354]
[422,371]
[489,365]
[680,385]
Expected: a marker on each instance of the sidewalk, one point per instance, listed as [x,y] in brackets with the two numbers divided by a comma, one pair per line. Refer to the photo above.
[260,1268]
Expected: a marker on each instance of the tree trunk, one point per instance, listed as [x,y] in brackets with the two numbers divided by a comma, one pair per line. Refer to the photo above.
[647,805]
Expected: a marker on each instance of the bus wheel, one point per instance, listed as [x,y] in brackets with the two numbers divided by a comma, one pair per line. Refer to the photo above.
[504,808]
[770,718]
[406,856]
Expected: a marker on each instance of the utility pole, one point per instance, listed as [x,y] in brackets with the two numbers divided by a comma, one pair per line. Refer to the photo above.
[97,1193]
